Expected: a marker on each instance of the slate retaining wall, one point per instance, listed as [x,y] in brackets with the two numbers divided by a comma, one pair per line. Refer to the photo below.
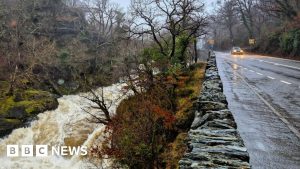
[214,141]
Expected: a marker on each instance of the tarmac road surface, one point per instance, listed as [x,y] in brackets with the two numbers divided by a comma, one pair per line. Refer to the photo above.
[264,95]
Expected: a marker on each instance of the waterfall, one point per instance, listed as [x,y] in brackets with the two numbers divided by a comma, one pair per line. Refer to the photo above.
[67,125]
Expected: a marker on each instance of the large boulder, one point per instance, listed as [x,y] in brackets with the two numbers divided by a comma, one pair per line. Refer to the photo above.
[17,110]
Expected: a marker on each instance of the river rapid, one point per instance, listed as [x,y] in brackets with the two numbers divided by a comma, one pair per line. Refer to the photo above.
[67,125]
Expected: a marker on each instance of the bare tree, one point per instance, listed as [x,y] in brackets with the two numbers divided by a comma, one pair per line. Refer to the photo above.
[101,105]
[281,8]
[104,17]
[105,21]
[164,21]
[227,14]
[246,9]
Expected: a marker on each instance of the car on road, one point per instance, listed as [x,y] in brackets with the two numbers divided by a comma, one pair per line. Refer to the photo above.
[237,51]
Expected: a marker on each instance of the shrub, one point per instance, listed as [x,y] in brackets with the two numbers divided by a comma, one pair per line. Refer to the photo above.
[140,129]
[273,42]
[149,128]
[296,44]
[286,42]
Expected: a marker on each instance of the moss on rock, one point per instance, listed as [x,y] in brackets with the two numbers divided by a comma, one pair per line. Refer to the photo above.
[16,110]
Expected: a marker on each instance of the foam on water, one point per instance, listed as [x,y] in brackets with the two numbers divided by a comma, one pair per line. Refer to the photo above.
[67,125]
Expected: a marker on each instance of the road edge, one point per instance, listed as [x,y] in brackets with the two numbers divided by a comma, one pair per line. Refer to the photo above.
[213,139]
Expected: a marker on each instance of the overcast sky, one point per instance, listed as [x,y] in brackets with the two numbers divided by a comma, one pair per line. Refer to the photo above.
[125,3]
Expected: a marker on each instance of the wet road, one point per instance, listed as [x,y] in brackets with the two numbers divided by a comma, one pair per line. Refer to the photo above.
[264,96]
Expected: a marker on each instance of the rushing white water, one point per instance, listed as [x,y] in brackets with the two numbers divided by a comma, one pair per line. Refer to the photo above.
[67,125]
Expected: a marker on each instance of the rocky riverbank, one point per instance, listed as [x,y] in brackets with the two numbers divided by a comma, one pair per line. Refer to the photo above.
[34,97]
[23,106]
[213,139]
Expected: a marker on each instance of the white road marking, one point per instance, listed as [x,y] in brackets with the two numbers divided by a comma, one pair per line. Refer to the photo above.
[251,70]
[270,77]
[285,82]
[278,64]
[259,73]
[281,117]
[278,58]
[245,68]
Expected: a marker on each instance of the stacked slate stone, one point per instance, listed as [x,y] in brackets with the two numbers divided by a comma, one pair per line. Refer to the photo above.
[214,141]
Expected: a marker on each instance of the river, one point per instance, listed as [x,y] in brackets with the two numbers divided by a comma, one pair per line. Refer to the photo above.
[67,125]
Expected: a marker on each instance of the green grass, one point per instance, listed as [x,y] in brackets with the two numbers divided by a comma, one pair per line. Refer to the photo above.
[190,84]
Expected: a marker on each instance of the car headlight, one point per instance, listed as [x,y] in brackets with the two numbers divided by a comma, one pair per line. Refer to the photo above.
[242,51]
[234,50]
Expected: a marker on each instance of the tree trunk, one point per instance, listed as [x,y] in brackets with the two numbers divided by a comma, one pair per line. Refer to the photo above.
[12,82]
[196,51]
[173,47]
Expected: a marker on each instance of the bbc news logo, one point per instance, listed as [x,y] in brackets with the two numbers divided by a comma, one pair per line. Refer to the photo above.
[42,151]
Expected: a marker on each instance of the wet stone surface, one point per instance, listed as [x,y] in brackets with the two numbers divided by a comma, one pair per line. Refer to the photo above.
[213,139]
